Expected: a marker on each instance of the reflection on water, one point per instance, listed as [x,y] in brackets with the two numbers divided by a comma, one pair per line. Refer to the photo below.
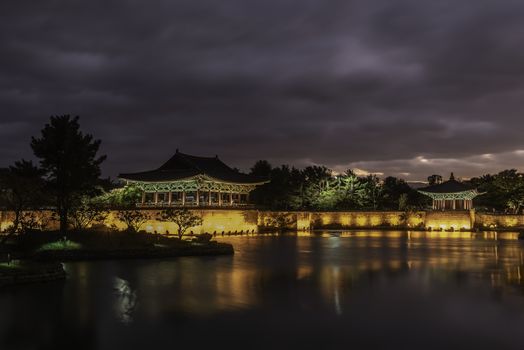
[126,300]
[413,289]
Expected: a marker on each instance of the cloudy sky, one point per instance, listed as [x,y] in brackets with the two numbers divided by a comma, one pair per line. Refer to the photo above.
[405,88]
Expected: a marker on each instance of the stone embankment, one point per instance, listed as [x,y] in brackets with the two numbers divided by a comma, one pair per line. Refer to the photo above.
[31,273]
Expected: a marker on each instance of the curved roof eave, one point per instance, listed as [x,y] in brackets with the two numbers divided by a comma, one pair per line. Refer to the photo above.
[194,177]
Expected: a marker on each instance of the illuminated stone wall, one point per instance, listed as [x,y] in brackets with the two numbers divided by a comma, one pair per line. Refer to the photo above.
[213,221]
[244,221]
[292,220]
[227,221]
[486,220]
[43,217]
[449,220]
[364,219]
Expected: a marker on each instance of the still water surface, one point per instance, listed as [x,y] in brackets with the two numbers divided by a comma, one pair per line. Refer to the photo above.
[358,290]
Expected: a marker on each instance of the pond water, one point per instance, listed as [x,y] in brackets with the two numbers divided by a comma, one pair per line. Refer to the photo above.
[359,290]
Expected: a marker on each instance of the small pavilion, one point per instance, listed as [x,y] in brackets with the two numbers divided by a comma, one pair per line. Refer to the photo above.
[187,180]
[451,195]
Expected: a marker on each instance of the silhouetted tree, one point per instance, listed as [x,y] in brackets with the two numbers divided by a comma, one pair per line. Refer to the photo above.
[280,221]
[283,192]
[502,191]
[87,211]
[69,159]
[403,201]
[21,189]
[393,190]
[183,218]
[262,168]
[434,179]
[373,192]
[510,185]
[133,219]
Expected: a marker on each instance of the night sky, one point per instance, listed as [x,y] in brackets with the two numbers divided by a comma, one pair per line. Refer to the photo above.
[404,88]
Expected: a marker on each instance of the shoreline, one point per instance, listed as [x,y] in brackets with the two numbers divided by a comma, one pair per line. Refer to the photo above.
[212,249]
[27,272]
[47,266]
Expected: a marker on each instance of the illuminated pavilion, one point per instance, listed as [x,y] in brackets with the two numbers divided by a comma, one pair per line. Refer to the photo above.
[186,180]
[451,195]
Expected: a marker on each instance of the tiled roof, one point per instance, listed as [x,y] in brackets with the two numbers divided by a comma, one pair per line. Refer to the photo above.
[182,166]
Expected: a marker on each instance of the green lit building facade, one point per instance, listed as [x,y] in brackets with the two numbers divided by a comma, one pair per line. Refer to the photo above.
[192,181]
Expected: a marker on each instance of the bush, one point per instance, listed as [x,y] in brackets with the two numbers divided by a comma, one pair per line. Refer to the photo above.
[203,238]
[62,244]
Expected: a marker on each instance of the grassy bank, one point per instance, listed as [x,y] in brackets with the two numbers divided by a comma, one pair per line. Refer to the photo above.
[159,251]
[93,244]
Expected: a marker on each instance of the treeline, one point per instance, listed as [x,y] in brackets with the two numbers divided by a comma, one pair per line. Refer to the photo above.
[502,192]
[318,188]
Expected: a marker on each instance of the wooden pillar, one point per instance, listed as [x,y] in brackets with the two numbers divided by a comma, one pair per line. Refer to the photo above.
[230,198]
[170,197]
[184,197]
[209,198]
[143,197]
[156,198]
[219,198]
[197,197]
[247,198]
[454,204]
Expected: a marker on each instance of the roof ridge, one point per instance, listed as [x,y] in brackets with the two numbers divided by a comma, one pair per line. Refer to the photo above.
[191,155]
[186,156]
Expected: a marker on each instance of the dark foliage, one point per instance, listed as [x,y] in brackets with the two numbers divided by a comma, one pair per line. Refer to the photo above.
[317,188]
[70,162]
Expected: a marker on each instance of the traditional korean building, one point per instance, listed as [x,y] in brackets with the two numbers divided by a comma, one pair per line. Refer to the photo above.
[186,180]
[451,195]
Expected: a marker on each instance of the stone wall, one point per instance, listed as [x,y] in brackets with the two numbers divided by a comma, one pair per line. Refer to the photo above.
[365,219]
[244,221]
[486,220]
[450,220]
[213,221]
[44,217]
[227,221]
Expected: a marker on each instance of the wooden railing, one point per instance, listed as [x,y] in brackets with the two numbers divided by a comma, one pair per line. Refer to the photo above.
[194,205]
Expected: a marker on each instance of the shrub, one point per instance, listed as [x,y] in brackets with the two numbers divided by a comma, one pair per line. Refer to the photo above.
[133,219]
[183,218]
[62,244]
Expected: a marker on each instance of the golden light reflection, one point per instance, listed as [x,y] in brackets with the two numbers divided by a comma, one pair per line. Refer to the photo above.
[481,255]
[328,268]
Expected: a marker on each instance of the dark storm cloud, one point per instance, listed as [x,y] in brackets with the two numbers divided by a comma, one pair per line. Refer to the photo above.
[398,87]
